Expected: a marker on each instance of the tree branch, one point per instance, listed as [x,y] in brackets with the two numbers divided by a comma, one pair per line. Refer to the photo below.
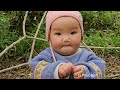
[25,17]
[36,38]
[13,67]
[39,25]
[101,47]
[13,44]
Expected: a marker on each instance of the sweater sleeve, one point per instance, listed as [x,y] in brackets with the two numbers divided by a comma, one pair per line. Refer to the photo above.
[43,66]
[56,76]
[44,69]
[48,71]
[94,67]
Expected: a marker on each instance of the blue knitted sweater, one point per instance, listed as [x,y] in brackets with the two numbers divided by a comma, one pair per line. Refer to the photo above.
[93,65]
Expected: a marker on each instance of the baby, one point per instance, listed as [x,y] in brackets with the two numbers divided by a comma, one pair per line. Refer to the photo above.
[65,59]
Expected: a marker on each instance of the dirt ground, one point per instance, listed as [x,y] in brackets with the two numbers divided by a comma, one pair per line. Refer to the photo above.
[24,72]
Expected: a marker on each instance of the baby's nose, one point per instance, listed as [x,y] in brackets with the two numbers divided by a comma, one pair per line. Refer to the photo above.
[66,39]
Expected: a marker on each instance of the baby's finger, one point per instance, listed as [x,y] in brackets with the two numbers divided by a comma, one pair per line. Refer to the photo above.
[77,68]
[60,76]
[69,66]
[72,66]
[78,75]
[67,70]
[62,72]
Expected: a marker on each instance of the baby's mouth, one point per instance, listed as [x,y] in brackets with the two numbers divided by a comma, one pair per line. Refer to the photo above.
[66,45]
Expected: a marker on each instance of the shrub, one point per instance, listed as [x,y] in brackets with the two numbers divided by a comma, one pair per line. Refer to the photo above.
[101,20]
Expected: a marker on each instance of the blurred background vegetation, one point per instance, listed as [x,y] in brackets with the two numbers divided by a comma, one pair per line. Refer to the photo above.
[102,28]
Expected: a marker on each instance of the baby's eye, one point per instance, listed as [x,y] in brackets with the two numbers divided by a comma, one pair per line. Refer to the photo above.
[73,33]
[58,33]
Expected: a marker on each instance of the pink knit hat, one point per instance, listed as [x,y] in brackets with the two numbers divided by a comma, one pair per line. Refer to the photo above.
[53,15]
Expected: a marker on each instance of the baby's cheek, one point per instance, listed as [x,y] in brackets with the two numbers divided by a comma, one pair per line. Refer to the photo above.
[76,43]
[56,44]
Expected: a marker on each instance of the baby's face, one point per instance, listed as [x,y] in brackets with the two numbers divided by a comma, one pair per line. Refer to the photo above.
[65,35]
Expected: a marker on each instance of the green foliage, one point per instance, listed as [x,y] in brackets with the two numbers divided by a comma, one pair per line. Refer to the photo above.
[102,38]
[6,37]
[101,20]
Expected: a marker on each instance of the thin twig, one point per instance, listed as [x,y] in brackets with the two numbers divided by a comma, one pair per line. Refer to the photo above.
[116,71]
[25,17]
[13,44]
[13,67]
[101,47]
[87,46]
[30,45]
[114,75]
[39,25]
[36,38]
[80,46]
[103,54]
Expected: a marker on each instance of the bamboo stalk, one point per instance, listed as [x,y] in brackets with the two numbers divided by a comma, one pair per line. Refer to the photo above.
[30,45]
[101,47]
[39,25]
[13,44]
[80,46]
[24,21]
[36,38]
[86,46]
[13,67]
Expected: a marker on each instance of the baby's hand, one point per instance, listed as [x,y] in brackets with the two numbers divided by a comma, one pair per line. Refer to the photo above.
[65,69]
[78,72]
